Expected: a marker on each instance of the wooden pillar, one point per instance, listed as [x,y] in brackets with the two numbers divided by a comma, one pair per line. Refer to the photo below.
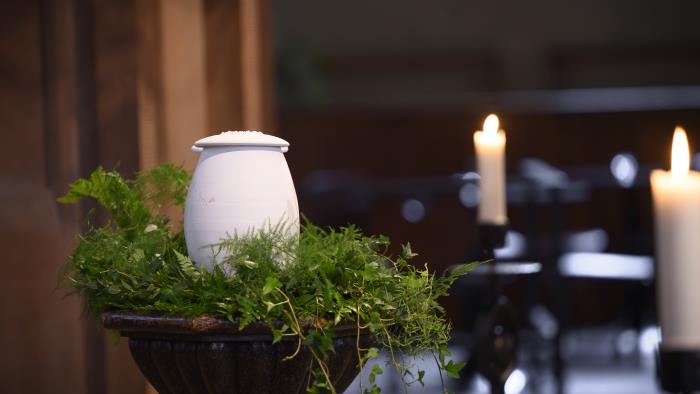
[40,330]
[204,67]
[223,63]
[256,65]
[172,80]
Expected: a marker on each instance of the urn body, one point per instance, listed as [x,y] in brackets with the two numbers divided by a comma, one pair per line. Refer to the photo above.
[238,187]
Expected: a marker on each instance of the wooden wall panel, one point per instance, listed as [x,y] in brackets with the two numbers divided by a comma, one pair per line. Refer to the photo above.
[184,80]
[149,83]
[172,81]
[223,62]
[205,66]
[40,331]
[257,65]
[116,95]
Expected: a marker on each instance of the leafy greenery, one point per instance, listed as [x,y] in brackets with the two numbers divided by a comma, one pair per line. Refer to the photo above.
[138,261]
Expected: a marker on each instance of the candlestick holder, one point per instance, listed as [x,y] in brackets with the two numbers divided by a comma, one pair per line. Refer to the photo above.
[491,236]
[497,340]
[678,371]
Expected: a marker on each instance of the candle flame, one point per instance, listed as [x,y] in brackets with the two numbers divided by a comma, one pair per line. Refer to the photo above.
[680,155]
[491,124]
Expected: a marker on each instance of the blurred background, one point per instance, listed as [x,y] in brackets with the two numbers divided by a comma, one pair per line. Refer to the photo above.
[379,101]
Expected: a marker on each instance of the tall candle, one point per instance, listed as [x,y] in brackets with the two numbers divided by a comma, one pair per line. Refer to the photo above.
[490,145]
[676,198]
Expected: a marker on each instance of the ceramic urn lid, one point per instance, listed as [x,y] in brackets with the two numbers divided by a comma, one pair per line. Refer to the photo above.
[241,138]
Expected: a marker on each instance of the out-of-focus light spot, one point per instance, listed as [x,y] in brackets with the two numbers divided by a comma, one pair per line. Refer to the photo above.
[516,382]
[481,385]
[593,240]
[607,266]
[649,340]
[413,210]
[471,176]
[624,167]
[514,246]
[469,195]
[543,173]
[627,342]
[544,322]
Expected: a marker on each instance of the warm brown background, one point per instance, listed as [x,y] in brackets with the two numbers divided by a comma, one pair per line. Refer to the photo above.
[115,83]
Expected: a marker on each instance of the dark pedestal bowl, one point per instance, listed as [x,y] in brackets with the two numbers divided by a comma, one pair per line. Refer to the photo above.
[210,355]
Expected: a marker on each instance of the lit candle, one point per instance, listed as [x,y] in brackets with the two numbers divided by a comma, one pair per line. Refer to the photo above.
[676,196]
[490,147]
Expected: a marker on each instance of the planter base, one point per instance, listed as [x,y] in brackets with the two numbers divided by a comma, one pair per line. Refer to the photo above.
[210,355]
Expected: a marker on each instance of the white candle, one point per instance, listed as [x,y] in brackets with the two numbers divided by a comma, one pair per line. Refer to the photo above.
[676,196]
[490,147]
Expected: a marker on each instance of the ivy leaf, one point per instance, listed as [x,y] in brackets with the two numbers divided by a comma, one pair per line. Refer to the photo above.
[276,335]
[453,369]
[373,352]
[443,352]
[450,367]
[271,283]
[376,370]
[271,305]
[421,375]
[319,342]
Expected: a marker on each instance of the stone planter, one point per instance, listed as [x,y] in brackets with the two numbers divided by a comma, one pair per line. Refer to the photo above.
[210,355]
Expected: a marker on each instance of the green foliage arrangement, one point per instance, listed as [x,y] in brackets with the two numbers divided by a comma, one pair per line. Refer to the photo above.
[138,261]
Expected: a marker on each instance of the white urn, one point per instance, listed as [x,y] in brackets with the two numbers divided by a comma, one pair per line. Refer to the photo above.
[241,184]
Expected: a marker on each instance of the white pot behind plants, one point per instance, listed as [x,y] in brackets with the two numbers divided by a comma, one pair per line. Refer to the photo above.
[241,184]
